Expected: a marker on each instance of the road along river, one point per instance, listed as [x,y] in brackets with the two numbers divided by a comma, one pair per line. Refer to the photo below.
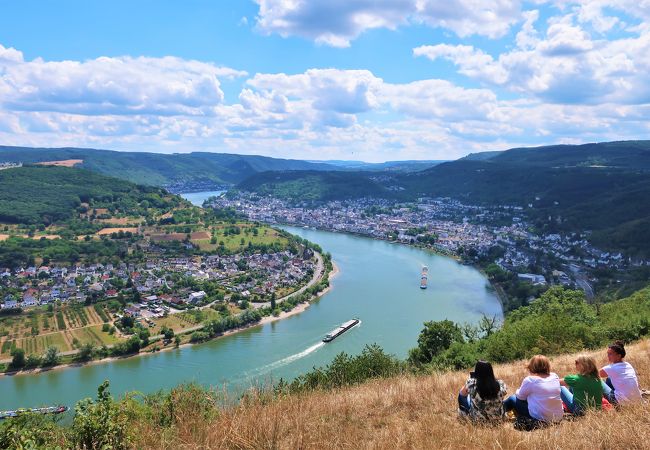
[378,283]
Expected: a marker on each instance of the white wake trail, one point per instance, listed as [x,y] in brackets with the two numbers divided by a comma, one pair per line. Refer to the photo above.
[289,359]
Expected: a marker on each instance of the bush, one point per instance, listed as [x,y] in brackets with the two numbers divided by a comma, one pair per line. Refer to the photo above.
[101,424]
[31,431]
[435,338]
[346,370]
[33,361]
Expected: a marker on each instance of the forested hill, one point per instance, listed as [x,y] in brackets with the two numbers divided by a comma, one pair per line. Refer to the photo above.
[315,186]
[203,170]
[599,187]
[40,195]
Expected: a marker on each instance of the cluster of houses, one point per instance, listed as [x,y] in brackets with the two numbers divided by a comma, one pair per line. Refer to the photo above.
[152,279]
[454,224]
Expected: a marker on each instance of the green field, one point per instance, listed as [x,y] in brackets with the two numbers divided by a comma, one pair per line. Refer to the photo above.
[35,345]
[95,335]
[233,242]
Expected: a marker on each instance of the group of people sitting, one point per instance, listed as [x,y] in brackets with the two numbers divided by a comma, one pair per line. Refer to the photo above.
[540,398]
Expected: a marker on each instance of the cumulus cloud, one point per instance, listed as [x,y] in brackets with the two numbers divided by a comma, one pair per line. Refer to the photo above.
[122,85]
[566,65]
[337,22]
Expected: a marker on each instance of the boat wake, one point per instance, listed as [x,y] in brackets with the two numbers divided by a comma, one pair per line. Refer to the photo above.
[288,360]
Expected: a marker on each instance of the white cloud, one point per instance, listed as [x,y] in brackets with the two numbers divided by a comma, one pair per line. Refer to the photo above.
[491,18]
[567,65]
[122,85]
[337,22]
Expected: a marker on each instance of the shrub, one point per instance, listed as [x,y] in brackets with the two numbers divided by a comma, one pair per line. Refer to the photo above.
[32,361]
[346,370]
[102,423]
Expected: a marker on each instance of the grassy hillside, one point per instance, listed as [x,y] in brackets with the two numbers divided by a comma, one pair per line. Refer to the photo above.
[415,412]
[159,169]
[403,412]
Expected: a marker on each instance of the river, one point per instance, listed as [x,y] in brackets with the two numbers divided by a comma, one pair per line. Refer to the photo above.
[378,283]
[197,198]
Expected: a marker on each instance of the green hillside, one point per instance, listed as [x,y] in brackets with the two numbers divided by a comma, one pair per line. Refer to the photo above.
[314,186]
[45,195]
[204,170]
[598,187]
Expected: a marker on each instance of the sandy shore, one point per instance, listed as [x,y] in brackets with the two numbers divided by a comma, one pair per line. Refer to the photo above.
[268,319]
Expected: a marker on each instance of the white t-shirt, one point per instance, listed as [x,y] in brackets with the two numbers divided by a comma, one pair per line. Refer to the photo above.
[543,396]
[626,385]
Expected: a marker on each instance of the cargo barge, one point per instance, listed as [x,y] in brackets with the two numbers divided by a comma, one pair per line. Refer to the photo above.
[340,330]
[424,277]
[46,410]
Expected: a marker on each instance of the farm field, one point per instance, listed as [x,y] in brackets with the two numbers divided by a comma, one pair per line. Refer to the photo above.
[95,335]
[38,329]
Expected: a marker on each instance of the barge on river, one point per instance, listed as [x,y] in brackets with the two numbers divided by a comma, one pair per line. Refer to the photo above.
[424,277]
[340,330]
[46,410]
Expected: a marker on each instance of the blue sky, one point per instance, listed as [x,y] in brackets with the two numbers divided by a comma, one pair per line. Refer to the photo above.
[323,79]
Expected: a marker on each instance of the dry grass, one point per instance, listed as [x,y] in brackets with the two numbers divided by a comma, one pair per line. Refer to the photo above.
[61,163]
[404,412]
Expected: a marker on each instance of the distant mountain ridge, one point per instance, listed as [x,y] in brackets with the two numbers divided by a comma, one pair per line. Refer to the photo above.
[409,165]
[157,169]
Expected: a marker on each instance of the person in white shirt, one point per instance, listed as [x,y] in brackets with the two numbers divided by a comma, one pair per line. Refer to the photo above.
[538,397]
[622,385]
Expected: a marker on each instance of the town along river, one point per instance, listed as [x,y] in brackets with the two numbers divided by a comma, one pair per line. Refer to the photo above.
[378,282]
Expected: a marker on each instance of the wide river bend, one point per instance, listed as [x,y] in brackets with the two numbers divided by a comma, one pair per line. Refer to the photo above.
[378,283]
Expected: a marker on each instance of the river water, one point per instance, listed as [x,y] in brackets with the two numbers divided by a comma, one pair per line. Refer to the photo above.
[378,283]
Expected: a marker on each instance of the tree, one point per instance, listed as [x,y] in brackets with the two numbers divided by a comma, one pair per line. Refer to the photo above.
[273,296]
[167,333]
[435,338]
[177,341]
[86,351]
[17,358]
[51,356]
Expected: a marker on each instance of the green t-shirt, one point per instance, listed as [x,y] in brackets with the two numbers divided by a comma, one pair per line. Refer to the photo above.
[587,391]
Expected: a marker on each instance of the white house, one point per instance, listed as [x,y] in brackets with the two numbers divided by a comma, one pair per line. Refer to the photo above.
[196,296]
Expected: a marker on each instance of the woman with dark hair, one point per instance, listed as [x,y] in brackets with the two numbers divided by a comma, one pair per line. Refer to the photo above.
[622,385]
[481,399]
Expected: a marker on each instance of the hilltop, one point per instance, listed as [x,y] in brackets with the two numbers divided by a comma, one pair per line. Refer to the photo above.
[402,412]
[418,412]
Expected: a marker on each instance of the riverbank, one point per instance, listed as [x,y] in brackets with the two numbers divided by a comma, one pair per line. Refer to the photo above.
[301,307]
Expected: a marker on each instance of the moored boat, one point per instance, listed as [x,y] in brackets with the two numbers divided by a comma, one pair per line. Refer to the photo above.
[45,410]
[340,330]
